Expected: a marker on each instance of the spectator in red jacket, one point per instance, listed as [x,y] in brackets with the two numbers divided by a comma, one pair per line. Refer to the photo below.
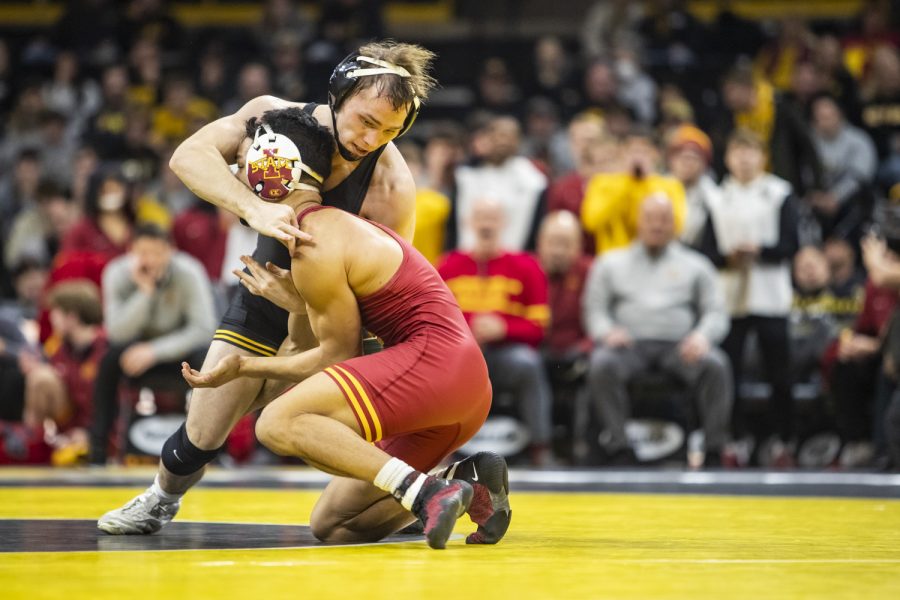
[567,346]
[61,390]
[108,221]
[503,296]
[881,257]
[559,251]
[856,361]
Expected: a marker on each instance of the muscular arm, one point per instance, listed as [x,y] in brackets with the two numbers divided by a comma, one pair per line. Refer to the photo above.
[300,333]
[202,160]
[321,278]
[391,199]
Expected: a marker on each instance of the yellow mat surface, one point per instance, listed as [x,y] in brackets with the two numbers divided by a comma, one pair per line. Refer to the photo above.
[559,546]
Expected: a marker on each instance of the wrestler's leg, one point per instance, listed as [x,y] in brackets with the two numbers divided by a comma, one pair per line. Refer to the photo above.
[211,416]
[315,422]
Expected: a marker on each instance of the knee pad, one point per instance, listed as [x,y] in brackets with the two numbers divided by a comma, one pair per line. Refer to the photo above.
[181,457]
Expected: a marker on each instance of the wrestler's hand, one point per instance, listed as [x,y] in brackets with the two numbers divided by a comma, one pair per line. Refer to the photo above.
[229,368]
[272,283]
[277,221]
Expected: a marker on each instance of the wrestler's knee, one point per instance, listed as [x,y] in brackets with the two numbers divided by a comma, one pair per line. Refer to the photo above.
[323,528]
[328,528]
[273,430]
[212,413]
[205,433]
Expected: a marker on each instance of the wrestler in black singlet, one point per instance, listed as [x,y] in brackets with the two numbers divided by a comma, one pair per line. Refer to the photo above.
[253,323]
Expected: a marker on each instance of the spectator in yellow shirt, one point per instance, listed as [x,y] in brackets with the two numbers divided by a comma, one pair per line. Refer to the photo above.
[181,113]
[432,207]
[612,200]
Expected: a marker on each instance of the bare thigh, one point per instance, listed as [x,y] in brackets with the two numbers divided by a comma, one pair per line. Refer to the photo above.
[273,388]
[350,509]
[269,391]
[213,412]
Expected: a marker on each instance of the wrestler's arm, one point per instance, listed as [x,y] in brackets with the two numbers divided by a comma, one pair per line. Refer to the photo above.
[333,318]
[272,283]
[391,198]
[201,162]
[300,334]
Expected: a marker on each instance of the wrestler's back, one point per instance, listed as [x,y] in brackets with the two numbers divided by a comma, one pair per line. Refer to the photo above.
[398,290]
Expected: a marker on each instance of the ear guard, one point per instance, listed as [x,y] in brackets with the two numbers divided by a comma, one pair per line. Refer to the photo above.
[274,166]
[348,72]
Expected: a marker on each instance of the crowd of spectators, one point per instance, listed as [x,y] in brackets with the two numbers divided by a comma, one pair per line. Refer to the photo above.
[652,196]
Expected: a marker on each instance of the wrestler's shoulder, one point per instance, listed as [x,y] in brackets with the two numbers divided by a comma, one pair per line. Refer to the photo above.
[261,104]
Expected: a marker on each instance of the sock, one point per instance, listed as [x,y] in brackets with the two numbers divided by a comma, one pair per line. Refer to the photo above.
[163,495]
[401,481]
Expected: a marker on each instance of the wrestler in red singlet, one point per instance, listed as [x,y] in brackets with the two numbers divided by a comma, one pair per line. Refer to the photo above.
[428,391]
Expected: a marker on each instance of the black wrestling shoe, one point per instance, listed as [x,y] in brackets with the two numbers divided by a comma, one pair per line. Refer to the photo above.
[439,504]
[488,475]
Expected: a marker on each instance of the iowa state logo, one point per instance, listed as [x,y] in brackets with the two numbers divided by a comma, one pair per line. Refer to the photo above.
[271,165]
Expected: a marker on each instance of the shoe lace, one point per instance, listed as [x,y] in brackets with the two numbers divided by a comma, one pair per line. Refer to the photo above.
[143,504]
[140,503]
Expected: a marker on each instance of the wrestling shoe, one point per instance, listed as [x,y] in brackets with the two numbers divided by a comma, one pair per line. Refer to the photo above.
[144,514]
[488,475]
[439,504]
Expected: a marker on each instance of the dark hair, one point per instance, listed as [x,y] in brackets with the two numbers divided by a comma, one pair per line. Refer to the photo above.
[740,74]
[446,131]
[152,231]
[28,153]
[79,296]
[92,200]
[27,264]
[52,116]
[642,132]
[49,189]
[479,120]
[314,141]
[829,97]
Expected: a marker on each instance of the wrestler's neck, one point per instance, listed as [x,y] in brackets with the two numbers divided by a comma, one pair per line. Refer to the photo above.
[300,200]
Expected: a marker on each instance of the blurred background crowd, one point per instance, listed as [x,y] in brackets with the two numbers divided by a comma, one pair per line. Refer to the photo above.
[671,225]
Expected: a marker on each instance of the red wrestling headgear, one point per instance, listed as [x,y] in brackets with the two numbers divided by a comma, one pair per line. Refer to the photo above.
[274,166]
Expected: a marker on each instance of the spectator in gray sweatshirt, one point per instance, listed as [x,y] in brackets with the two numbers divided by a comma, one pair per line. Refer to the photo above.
[849,160]
[657,304]
[158,312]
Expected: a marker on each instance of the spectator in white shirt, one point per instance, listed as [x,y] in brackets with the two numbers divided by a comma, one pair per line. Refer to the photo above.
[752,237]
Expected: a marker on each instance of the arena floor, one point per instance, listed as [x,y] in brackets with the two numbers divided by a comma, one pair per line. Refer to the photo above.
[575,534]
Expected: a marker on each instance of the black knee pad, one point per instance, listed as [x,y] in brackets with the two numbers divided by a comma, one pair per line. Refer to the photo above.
[181,457]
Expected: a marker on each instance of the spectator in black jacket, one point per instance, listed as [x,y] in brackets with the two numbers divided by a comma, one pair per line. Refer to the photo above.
[755,105]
